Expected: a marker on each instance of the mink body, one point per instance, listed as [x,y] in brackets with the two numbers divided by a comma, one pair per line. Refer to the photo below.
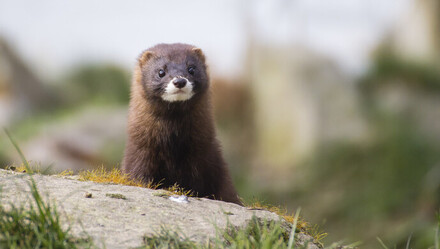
[171,134]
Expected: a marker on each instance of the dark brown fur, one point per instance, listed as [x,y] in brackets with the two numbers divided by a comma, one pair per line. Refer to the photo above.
[175,142]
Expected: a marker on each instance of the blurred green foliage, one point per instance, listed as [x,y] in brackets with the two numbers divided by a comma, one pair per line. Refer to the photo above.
[384,187]
[388,66]
[383,177]
[86,86]
[101,83]
[376,189]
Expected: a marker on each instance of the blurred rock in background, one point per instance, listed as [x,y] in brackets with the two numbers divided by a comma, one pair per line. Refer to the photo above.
[78,124]
[391,183]
[315,103]
[21,92]
[405,77]
[89,138]
[416,37]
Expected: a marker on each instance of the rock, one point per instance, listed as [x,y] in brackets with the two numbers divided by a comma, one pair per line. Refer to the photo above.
[21,91]
[119,216]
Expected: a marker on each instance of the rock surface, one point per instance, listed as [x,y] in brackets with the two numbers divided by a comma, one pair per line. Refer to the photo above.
[118,216]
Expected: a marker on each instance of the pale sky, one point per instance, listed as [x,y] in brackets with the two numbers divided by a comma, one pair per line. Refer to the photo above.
[53,35]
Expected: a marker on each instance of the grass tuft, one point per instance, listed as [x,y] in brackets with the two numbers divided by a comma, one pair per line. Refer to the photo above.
[257,234]
[168,239]
[115,176]
[312,230]
[316,232]
[36,226]
[256,204]
[436,237]
[102,175]
[66,172]
[176,190]
[23,169]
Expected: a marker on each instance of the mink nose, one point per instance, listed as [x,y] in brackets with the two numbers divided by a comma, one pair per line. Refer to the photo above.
[179,82]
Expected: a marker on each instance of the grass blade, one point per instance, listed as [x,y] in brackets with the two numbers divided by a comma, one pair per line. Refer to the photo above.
[408,242]
[292,233]
[23,158]
[381,242]
[437,237]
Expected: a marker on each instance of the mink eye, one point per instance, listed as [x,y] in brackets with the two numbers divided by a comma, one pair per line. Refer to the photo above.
[191,70]
[161,73]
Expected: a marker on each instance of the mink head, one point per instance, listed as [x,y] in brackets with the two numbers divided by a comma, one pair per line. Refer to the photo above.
[173,73]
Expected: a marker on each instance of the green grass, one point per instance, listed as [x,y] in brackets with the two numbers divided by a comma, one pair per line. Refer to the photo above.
[375,188]
[408,242]
[257,234]
[36,225]
[168,239]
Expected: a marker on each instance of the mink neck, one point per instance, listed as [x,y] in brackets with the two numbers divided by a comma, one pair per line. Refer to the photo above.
[174,111]
[149,116]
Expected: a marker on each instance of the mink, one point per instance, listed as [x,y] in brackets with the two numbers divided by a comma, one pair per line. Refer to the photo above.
[171,132]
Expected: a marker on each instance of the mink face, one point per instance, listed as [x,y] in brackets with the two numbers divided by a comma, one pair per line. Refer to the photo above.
[173,74]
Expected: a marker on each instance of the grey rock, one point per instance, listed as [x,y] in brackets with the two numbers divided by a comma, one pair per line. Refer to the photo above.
[122,222]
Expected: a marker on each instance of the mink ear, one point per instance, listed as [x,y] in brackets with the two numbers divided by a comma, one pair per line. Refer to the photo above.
[145,56]
[199,53]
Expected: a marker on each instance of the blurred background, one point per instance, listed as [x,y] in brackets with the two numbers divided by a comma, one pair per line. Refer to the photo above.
[333,106]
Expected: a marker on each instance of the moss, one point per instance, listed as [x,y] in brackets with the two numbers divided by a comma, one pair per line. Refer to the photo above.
[116,196]
[104,83]
[115,176]
[102,175]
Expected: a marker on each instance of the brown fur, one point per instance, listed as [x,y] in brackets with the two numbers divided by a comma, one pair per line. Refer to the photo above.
[175,142]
